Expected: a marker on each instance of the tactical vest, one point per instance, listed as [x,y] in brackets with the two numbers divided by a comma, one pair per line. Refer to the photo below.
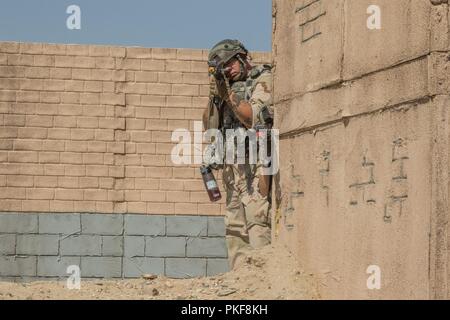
[244,89]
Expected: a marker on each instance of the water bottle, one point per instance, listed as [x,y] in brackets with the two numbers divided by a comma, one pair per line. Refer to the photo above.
[210,184]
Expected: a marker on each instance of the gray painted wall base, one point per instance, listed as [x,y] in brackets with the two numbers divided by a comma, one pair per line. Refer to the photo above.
[40,246]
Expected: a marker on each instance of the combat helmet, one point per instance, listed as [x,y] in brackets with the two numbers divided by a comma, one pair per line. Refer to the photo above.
[224,51]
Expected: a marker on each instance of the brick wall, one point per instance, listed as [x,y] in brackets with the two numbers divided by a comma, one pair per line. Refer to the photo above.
[88,128]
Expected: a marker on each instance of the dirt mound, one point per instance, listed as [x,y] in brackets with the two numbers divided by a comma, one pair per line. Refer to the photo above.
[268,273]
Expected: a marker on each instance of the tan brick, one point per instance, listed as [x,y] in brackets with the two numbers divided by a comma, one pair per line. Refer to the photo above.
[145,148]
[84,62]
[194,185]
[132,160]
[97,170]
[105,63]
[158,172]
[104,134]
[68,182]
[88,182]
[32,133]
[177,124]
[74,170]
[64,194]
[172,113]
[39,193]
[115,195]
[12,72]
[146,76]
[186,208]
[96,146]
[164,53]
[195,78]
[12,193]
[81,74]
[209,209]
[59,49]
[106,182]
[147,112]
[137,52]
[48,157]
[170,185]
[70,97]
[54,169]
[59,133]
[116,171]
[161,136]
[159,89]
[104,206]
[100,51]
[65,61]
[14,84]
[45,181]
[93,86]
[190,54]
[19,181]
[53,145]
[84,206]
[137,207]
[76,146]
[2,181]
[36,205]
[185,90]
[31,169]
[82,134]
[50,97]
[135,124]
[177,196]
[9,47]
[160,208]
[124,183]
[186,173]
[119,75]
[44,61]
[21,60]
[132,195]
[146,184]
[28,144]
[27,96]
[153,65]
[153,101]
[176,65]
[11,96]
[128,64]
[90,98]
[23,156]
[74,85]
[170,77]
[6,144]
[14,120]
[204,91]
[193,114]
[65,121]
[96,194]
[153,196]
[87,122]
[77,50]
[153,160]
[62,206]
[164,148]
[135,172]
[112,99]
[61,73]
[156,124]
[70,109]
[180,102]
[54,85]
[199,66]
[71,157]
[93,111]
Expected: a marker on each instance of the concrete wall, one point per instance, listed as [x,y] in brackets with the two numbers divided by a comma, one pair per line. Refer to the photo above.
[87,130]
[42,246]
[363,117]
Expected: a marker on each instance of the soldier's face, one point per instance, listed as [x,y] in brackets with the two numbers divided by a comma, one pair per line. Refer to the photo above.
[233,69]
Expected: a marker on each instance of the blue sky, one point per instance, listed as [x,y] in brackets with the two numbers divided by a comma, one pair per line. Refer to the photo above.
[147,23]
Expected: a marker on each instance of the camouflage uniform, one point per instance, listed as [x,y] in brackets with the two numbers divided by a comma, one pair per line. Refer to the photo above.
[247,217]
[247,189]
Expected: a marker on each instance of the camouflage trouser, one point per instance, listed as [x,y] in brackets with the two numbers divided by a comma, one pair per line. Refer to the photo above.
[247,209]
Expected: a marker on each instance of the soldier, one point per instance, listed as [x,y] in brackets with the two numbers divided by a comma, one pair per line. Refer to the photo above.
[241,99]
